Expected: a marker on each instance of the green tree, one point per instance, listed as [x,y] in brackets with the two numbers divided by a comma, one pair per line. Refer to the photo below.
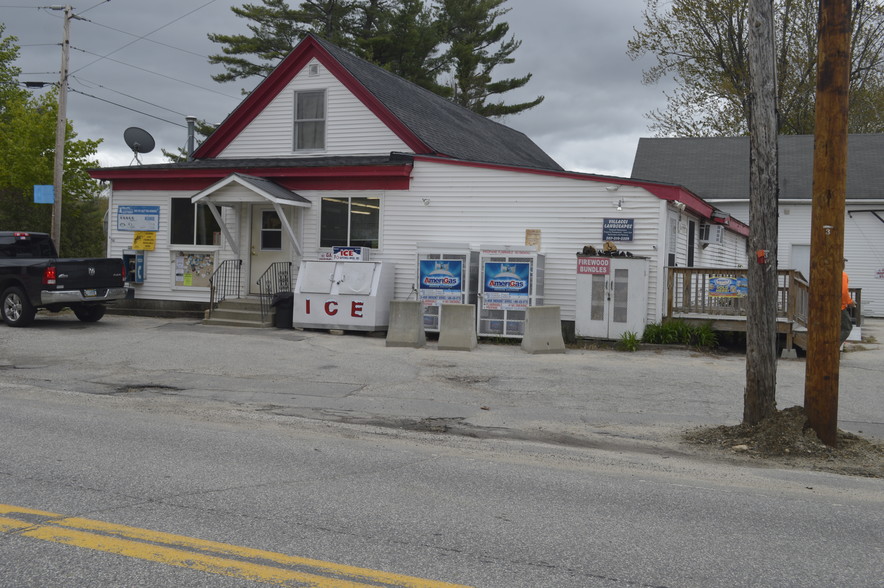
[27,144]
[405,40]
[276,28]
[477,44]
[10,89]
[403,36]
[275,31]
[703,46]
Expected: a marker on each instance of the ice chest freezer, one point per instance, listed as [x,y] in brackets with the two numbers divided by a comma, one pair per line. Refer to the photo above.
[346,295]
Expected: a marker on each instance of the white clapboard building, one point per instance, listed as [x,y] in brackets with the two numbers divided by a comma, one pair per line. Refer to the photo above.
[717,169]
[331,150]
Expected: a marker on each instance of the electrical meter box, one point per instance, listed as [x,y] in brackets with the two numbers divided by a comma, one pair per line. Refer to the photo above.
[134,261]
[346,295]
[446,274]
[510,280]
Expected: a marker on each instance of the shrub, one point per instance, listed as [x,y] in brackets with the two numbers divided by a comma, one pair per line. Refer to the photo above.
[678,332]
[629,341]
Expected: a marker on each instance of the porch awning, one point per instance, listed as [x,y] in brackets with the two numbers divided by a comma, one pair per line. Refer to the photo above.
[257,190]
[227,192]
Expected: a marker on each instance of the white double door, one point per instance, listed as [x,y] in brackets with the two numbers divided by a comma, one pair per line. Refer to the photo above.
[611,304]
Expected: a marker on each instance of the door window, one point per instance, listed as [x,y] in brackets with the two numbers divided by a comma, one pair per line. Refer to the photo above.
[271,231]
[621,295]
[597,303]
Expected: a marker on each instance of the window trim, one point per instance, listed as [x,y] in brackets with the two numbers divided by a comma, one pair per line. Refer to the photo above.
[296,121]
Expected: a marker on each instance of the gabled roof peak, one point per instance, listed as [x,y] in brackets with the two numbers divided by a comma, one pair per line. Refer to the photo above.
[426,122]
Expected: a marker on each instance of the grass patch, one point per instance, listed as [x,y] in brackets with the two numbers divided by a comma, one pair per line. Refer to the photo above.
[678,332]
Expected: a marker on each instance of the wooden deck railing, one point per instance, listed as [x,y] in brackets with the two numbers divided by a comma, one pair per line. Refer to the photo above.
[721,293]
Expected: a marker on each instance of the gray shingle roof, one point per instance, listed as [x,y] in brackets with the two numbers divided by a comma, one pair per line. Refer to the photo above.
[448,129]
[272,188]
[717,168]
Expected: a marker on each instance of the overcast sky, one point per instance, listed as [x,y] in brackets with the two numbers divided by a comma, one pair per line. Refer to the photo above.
[144,64]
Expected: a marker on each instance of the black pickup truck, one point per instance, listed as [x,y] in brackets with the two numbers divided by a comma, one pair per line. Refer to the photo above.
[32,276]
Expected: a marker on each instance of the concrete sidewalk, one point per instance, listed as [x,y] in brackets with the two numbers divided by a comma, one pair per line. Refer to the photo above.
[588,395]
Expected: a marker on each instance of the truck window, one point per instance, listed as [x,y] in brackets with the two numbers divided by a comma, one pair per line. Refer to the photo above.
[31,248]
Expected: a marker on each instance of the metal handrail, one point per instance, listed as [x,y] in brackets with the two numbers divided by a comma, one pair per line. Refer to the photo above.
[225,282]
[277,278]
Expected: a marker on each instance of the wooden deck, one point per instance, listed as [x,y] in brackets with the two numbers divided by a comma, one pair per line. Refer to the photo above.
[717,297]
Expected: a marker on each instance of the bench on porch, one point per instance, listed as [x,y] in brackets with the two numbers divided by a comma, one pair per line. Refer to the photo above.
[717,297]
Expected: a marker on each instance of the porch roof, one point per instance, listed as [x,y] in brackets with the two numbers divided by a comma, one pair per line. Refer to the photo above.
[263,188]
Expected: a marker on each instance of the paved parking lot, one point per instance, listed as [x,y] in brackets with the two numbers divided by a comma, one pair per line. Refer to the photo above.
[589,396]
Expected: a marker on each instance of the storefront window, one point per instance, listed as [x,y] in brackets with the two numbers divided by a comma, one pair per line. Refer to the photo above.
[193,224]
[350,222]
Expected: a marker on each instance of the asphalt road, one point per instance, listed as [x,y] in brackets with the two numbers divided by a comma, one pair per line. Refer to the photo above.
[310,445]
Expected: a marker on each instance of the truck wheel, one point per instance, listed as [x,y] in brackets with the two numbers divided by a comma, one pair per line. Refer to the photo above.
[89,313]
[15,308]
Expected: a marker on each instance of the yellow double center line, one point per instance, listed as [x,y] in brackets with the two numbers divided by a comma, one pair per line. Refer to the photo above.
[207,556]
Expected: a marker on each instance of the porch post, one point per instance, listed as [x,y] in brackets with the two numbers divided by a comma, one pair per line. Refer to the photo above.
[288,228]
[217,214]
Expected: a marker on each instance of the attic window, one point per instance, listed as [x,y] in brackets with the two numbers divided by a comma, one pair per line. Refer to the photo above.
[309,120]
[313,70]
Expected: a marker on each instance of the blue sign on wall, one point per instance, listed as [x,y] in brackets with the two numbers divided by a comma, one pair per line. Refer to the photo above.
[138,218]
[618,229]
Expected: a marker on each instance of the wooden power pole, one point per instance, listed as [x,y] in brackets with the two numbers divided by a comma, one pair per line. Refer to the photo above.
[61,126]
[761,326]
[827,221]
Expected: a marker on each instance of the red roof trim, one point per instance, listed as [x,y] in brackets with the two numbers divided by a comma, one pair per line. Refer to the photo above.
[381,177]
[279,78]
[669,192]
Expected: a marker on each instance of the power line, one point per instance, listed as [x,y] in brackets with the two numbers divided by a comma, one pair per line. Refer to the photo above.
[127,108]
[141,38]
[161,75]
[96,84]
[144,36]
[94,6]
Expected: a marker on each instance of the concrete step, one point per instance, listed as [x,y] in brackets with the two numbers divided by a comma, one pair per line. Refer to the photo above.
[240,312]
[250,303]
[219,322]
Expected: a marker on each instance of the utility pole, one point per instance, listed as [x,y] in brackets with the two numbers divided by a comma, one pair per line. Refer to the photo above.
[759,400]
[827,220]
[61,126]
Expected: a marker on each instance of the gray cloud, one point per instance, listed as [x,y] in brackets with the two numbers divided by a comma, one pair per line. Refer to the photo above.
[590,121]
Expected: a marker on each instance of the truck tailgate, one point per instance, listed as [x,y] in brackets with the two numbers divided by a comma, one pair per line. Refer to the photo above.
[80,274]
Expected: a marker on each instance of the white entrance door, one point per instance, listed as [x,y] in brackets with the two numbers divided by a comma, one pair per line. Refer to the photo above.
[269,243]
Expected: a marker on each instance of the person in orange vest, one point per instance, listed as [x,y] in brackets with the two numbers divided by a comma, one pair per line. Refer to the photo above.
[846,303]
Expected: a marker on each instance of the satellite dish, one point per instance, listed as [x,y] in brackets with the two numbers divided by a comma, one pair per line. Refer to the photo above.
[139,141]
